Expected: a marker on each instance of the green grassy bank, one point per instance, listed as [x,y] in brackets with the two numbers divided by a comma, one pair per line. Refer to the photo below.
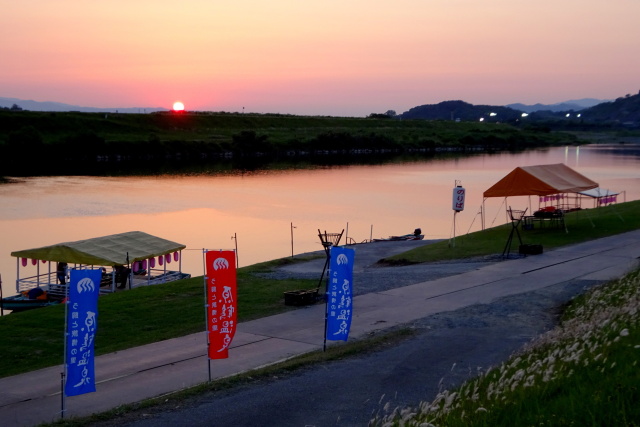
[44,142]
[34,339]
[583,225]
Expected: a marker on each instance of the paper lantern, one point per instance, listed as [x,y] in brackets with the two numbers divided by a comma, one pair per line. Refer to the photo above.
[152,262]
[176,256]
[458,198]
[160,260]
[167,258]
[24,262]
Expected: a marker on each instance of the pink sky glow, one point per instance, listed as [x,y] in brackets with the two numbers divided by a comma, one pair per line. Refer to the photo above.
[341,58]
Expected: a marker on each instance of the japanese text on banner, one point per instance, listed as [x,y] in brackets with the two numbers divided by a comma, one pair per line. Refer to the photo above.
[222,302]
[458,198]
[82,315]
[340,294]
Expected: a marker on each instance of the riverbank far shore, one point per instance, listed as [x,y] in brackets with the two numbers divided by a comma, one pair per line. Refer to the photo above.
[148,371]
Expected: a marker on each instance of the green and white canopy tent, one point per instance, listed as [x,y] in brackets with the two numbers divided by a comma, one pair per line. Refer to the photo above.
[114,250]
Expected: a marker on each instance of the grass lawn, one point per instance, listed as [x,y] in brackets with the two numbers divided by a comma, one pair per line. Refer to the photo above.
[581,226]
[34,339]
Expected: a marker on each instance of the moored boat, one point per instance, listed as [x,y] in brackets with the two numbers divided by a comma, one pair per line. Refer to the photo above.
[416,235]
[23,301]
[132,257]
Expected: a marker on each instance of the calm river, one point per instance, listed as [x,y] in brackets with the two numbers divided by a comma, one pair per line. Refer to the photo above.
[259,209]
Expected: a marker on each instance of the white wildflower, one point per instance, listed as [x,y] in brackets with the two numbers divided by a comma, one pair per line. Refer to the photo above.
[449,400]
[624,332]
[518,375]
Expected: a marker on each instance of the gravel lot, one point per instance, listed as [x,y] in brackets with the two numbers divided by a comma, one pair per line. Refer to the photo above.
[370,277]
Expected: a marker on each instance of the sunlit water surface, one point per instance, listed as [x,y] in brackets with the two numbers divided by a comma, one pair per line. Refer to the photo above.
[259,209]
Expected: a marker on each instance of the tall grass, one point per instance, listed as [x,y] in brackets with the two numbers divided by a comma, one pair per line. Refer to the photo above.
[582,373]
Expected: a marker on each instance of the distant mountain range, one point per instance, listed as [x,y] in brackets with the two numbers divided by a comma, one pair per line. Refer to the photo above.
[624,111]
[60,107]
[573,105]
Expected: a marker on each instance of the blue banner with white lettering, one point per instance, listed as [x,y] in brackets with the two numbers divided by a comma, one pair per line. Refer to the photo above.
[340,293]
[82,315]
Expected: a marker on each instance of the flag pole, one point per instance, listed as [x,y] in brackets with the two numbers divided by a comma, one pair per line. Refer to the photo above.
[63,374]
[326,301]
[206,307]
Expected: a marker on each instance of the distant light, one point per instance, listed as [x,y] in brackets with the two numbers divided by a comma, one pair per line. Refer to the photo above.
[579,115]
[493,114]
[482,119]
[568,115]
[524,114]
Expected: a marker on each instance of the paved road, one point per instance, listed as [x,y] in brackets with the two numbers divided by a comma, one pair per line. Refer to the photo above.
[447,349]
[163,367]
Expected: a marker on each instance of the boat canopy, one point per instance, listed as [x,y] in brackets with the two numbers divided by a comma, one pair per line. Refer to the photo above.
[540,180]
[116,249]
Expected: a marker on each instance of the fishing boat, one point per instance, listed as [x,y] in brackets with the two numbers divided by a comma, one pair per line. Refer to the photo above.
[416,235]
[22,302]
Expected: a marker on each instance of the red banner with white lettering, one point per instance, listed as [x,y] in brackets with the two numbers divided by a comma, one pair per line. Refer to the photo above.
[222,301]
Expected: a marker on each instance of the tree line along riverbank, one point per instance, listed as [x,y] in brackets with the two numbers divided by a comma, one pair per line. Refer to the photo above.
[37,143]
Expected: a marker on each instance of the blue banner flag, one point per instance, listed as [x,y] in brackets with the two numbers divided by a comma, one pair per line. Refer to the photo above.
[82,315]
[340,293]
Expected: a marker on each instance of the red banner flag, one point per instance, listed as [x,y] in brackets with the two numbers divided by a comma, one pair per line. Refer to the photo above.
[222,301]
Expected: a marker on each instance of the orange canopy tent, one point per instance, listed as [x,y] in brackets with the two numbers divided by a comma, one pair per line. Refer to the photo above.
[540,180]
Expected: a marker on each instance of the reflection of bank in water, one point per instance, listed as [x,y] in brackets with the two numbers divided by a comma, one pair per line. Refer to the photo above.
[136,259]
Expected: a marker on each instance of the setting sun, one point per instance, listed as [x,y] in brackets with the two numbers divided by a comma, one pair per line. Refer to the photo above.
[178,106]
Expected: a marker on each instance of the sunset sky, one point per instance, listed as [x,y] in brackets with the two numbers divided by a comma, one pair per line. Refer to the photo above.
[342,58]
